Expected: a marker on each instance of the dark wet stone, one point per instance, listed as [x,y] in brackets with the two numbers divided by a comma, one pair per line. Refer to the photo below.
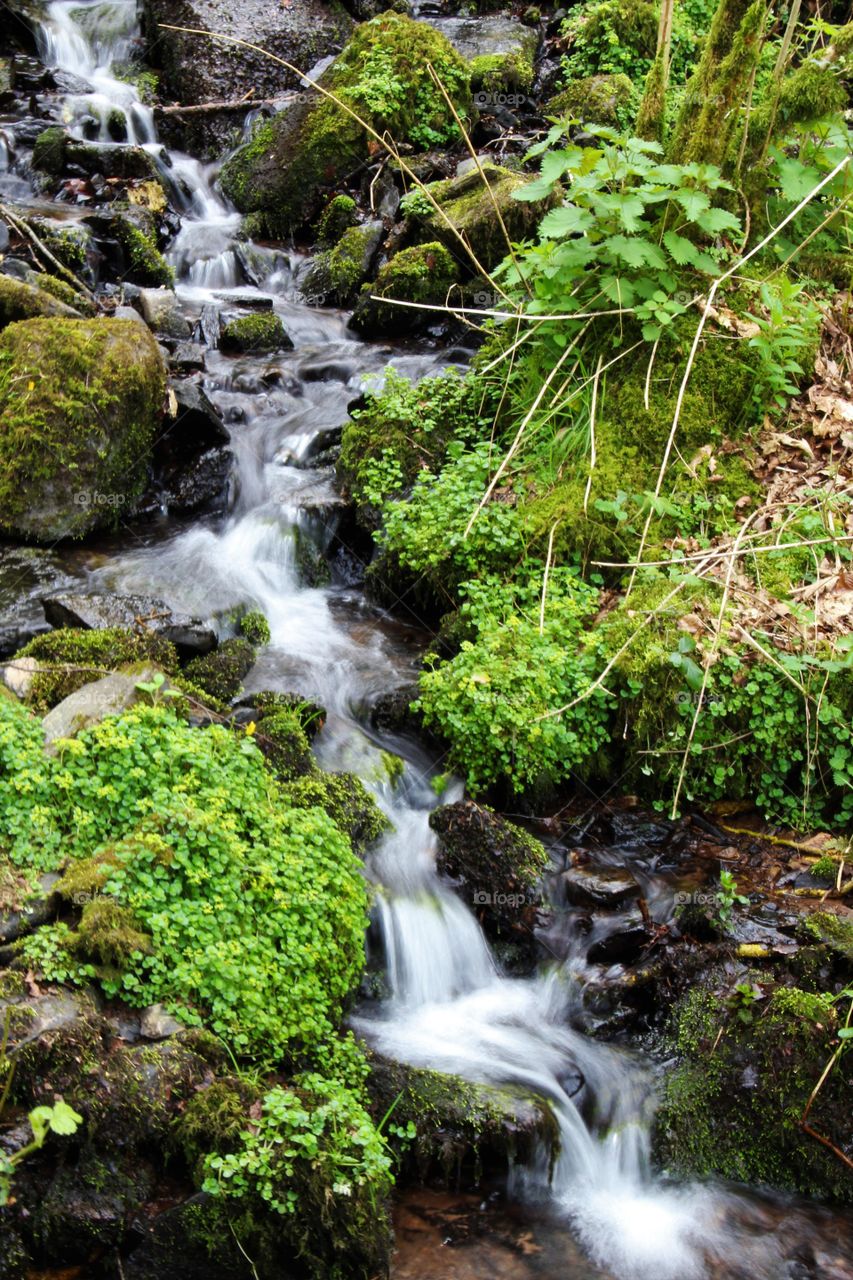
[95,612]
[623,946]
[602,887]
[188,356]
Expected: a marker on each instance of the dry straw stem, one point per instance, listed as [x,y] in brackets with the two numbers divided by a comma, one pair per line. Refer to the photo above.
[712,293]
[383,141]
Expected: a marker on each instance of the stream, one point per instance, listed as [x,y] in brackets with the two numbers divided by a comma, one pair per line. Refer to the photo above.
[598,1209]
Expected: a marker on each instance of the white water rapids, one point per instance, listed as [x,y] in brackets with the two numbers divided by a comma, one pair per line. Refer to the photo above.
[450,1007]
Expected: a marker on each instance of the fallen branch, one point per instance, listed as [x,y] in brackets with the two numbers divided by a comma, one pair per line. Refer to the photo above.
[210,108]
[24,229]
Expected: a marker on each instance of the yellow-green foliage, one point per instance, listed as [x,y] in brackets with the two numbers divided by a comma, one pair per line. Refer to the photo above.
[19,301]
[80,401]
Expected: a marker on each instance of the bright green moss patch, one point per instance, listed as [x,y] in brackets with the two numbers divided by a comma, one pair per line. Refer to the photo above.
[422,274]
[339,215]
[285,745]
[222,672]
[597,99]
[256,333]
[146,264]
[255,628]
[20,301]
[346,800]
[72,657]
[80,401]
[499,72]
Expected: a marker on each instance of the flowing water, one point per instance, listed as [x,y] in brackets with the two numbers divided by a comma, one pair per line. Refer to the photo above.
[450,1007]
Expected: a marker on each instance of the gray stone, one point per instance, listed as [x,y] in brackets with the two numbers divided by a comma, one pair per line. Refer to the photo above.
[486,37]
[195,71]
[162,313]
[109,696]
[156,1023]
[188,356]
[18,675]
[96,612]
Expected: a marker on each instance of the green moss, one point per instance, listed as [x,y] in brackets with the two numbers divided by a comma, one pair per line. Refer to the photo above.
[499,72]
[66,293]
[255,628]
[594,99]
[222,672]
[339,214]
[74,657]
[80,401]
[147,266]
[19,301]
[733,1106]
[810,92]
[834,931]
[381,76]
[49,150]
[257,333]
[347,802]
[310,715]
[285,745]
[336,273]
[108,934]
[214,1119]
[85,878]
[422,274]
[470,208]
[409,425]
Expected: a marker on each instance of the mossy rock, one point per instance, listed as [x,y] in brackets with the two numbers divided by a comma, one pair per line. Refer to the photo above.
[469,207]
[410,423]
[108,935]
[310,714]
[80,402]
[20,301]
[146,265]
[593,99]
[422,274]
[339,215]
[495,73]
[49,150]
[222,672]
[255,628]
[835,932]
[346,800]
[71,658]
[336,274]
[285,745]
[464,1130]
[733,1106]
[381,76]
[257,333]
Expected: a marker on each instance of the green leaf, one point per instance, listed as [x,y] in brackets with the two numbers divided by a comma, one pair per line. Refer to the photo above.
[635,250]
[715,220]
[681,249]
[569,220]
[64,1119]
[692,202]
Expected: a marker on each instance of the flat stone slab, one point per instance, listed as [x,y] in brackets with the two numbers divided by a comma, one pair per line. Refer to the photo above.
[96,612]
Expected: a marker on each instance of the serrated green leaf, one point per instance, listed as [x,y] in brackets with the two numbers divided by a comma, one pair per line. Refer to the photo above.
[692,202]
[567,221]
[716,220]
[681,249]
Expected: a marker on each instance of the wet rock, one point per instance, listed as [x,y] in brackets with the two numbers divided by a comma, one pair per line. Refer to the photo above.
[109,696]
[189,1241]
[191,462]
[196,71]
[220,674]
[337,274]
[623,944]
[501,51]
[498,865]
[187,357]
[255,333]
[55,151]
[392,711]
[86,1206]
[36,911]
[162,313]
[95,612]
[599,887]
[474,1130]
[26,573]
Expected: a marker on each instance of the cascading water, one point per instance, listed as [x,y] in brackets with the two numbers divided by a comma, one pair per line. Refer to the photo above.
[450,1006]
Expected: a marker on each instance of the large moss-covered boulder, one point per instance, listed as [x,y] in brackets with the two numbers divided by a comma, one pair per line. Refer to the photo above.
[72,657]
[80,401]
[195,70]
[470,208]
[423,274]
[382,77]
[734,1106]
